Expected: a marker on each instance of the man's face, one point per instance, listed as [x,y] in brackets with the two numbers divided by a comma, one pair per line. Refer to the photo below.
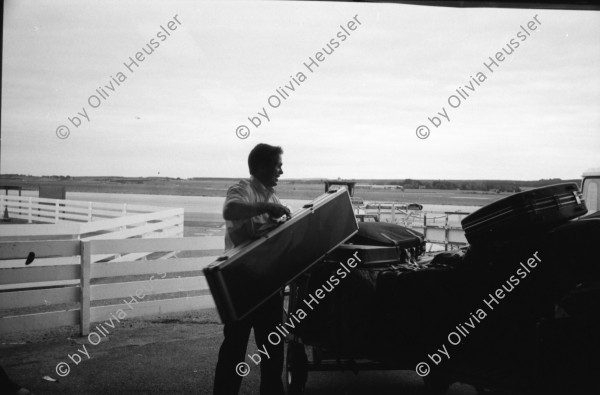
[270,176]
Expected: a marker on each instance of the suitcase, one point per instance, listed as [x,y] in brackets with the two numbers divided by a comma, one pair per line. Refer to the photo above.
[246,276]
[583,302]
[524,213]
[569,345]
[386,234]
[416,308]
[367,255]
[342,322]
[409,242]
[571,249]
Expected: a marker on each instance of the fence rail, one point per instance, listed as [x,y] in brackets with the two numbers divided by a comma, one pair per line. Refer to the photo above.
[36,209]
[439,228]
[104,221]
[165,286]
[63,235]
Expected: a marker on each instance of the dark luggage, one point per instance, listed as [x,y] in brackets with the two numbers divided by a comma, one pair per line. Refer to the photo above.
[417,303]
[582,302]
[383,311]
[367,255]
[522,214]
[342,321]
[345,320]
[388,234]
[452,259]
[570,344]
[244,277]
[572,248]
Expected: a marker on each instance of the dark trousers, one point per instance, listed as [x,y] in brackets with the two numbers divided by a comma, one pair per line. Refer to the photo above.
[264,320]
[7,386]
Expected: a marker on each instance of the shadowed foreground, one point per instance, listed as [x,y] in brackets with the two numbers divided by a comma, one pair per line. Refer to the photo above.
[173,354]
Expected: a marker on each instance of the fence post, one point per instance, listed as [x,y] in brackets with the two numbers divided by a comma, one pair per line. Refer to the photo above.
[56,211]
[446,233]
[181,224]
[425,225]
[90,212]
[84,312]
[29,220]
[393,213]
[124,213]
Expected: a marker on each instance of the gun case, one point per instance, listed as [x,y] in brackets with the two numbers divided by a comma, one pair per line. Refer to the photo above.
[247,275]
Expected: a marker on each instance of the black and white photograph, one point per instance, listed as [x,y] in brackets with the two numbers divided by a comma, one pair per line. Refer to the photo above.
[284,197]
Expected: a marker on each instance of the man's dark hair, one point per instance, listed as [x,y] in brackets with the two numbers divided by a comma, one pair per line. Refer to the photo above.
[263,155]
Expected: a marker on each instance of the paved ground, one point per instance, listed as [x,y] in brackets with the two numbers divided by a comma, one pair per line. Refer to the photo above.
[173,354]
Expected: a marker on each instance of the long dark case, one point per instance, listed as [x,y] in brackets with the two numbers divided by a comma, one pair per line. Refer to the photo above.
[246,276]
[523,213]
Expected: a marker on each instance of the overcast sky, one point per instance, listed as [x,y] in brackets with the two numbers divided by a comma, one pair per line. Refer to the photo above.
[536,115]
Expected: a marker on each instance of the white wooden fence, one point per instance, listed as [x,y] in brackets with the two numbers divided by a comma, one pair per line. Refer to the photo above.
[71,260]
[35,209]
[73,219]
[442,229]
[78,242]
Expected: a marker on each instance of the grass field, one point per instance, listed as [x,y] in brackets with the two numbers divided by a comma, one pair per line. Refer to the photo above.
[285,190]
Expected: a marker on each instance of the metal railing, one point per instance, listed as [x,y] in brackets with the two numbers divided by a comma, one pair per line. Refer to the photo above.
[441,229]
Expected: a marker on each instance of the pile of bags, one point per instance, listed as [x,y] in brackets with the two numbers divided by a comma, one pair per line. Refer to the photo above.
[400,311]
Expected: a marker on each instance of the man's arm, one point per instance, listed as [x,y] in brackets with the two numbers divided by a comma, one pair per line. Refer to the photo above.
[236,210]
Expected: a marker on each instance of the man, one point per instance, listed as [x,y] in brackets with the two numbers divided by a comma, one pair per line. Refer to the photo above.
[249,206]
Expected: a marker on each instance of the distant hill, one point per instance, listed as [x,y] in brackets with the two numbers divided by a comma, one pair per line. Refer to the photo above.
[464,185]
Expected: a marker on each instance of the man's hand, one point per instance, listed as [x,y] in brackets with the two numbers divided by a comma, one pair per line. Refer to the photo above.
[277,210]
